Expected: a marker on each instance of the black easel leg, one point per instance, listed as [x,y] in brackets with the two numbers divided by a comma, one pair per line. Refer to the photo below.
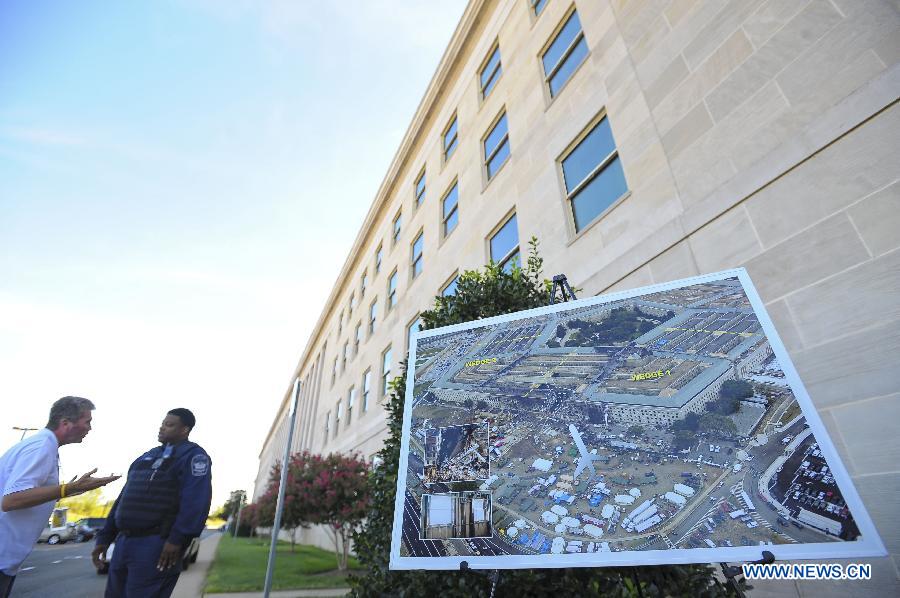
[637,583]
[495,578]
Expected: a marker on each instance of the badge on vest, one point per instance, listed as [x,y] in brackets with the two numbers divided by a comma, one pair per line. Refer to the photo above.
[199,465]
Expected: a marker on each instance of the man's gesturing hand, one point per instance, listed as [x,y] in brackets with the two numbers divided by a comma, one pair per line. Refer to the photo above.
[170,555]
[86,483]
[98,556]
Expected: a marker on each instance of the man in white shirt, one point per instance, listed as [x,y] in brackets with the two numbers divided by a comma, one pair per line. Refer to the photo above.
[29,482]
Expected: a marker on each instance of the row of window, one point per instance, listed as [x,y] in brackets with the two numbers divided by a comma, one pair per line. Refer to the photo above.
[591,172]
[504,249]
[561,57]
[594,180]
[366,386]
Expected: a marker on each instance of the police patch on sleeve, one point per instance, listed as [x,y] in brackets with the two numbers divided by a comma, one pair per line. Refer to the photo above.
[199,465]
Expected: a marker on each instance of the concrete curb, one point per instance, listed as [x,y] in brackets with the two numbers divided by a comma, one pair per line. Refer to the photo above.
[190,583]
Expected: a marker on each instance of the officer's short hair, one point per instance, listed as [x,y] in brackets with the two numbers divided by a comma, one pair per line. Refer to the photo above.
[185,415]
[70,408]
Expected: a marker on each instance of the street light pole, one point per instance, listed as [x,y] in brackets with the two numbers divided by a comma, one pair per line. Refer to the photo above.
[24,431]
[276,525]
[240,507]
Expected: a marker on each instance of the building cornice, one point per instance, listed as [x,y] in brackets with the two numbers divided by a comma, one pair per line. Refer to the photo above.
[429,104]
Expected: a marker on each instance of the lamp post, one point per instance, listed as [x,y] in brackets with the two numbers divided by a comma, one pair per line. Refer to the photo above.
[276,525]
[240,508]
[23,430]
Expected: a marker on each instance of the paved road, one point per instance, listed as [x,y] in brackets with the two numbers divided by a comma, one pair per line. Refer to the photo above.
[61,570]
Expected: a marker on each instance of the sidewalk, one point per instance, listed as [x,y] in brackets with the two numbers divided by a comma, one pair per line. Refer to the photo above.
[190,583]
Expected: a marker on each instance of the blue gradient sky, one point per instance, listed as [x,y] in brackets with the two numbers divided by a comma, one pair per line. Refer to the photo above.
[180,183]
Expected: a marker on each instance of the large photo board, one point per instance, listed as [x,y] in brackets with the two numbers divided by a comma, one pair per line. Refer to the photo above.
[661,425]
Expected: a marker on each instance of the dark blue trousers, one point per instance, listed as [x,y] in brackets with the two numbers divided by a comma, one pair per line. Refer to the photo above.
[6,584]
[133,572]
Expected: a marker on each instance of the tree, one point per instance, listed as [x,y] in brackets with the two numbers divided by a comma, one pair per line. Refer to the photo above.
[690,422]
[635,430]
[249,520]
[236,500]
[89,504]
[724,406]
[736,390]
[291,516]
[480,294]
[718,425]
[331,491]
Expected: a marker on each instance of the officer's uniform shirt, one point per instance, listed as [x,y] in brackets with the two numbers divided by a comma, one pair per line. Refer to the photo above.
[168,492]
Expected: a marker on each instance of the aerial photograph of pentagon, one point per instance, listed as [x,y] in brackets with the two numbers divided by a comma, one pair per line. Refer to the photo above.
[662,421]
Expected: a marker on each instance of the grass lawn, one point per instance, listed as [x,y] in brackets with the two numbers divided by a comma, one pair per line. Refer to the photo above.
[240,566]
[792,412]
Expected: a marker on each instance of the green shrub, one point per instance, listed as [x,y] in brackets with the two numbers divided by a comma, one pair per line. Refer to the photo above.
[481,294]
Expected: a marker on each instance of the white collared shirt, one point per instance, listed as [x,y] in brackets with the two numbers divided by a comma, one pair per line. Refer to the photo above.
[32,463]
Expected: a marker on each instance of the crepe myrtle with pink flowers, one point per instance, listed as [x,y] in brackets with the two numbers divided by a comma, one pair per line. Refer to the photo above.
[330,491]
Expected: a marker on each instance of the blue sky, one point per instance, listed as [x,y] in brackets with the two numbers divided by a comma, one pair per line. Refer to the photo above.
[180,183]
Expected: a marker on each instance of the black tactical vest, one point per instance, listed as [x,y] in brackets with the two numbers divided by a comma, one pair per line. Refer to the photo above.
[151,495]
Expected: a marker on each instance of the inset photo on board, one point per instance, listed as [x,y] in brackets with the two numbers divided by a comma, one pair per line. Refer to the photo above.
[456,515]
[456,454]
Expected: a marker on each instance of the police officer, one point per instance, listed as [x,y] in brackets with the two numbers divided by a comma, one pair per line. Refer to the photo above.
[162,507]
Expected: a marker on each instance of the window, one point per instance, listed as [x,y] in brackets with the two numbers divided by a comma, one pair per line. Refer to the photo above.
[413,328]
[351,304]
[358,338]
[451,215]
[334,372]
[339,410]
[538,6]
[373,312]
[496,147]
[351,398]
[567,50]
[392,291]
[491,72]
[417,255]
[340,323]
[398,226]
[366,390]
[420,189]
[450,139]
[346,355]
[363,284]
[385,371]
[379,253]
[593,175]
[505,244]
[450,289]
[327,424]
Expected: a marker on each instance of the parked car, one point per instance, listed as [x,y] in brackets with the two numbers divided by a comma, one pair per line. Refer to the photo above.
[190,555]
[58,535]
[88,527]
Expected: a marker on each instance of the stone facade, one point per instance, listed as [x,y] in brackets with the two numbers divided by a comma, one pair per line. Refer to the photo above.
[751,133]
